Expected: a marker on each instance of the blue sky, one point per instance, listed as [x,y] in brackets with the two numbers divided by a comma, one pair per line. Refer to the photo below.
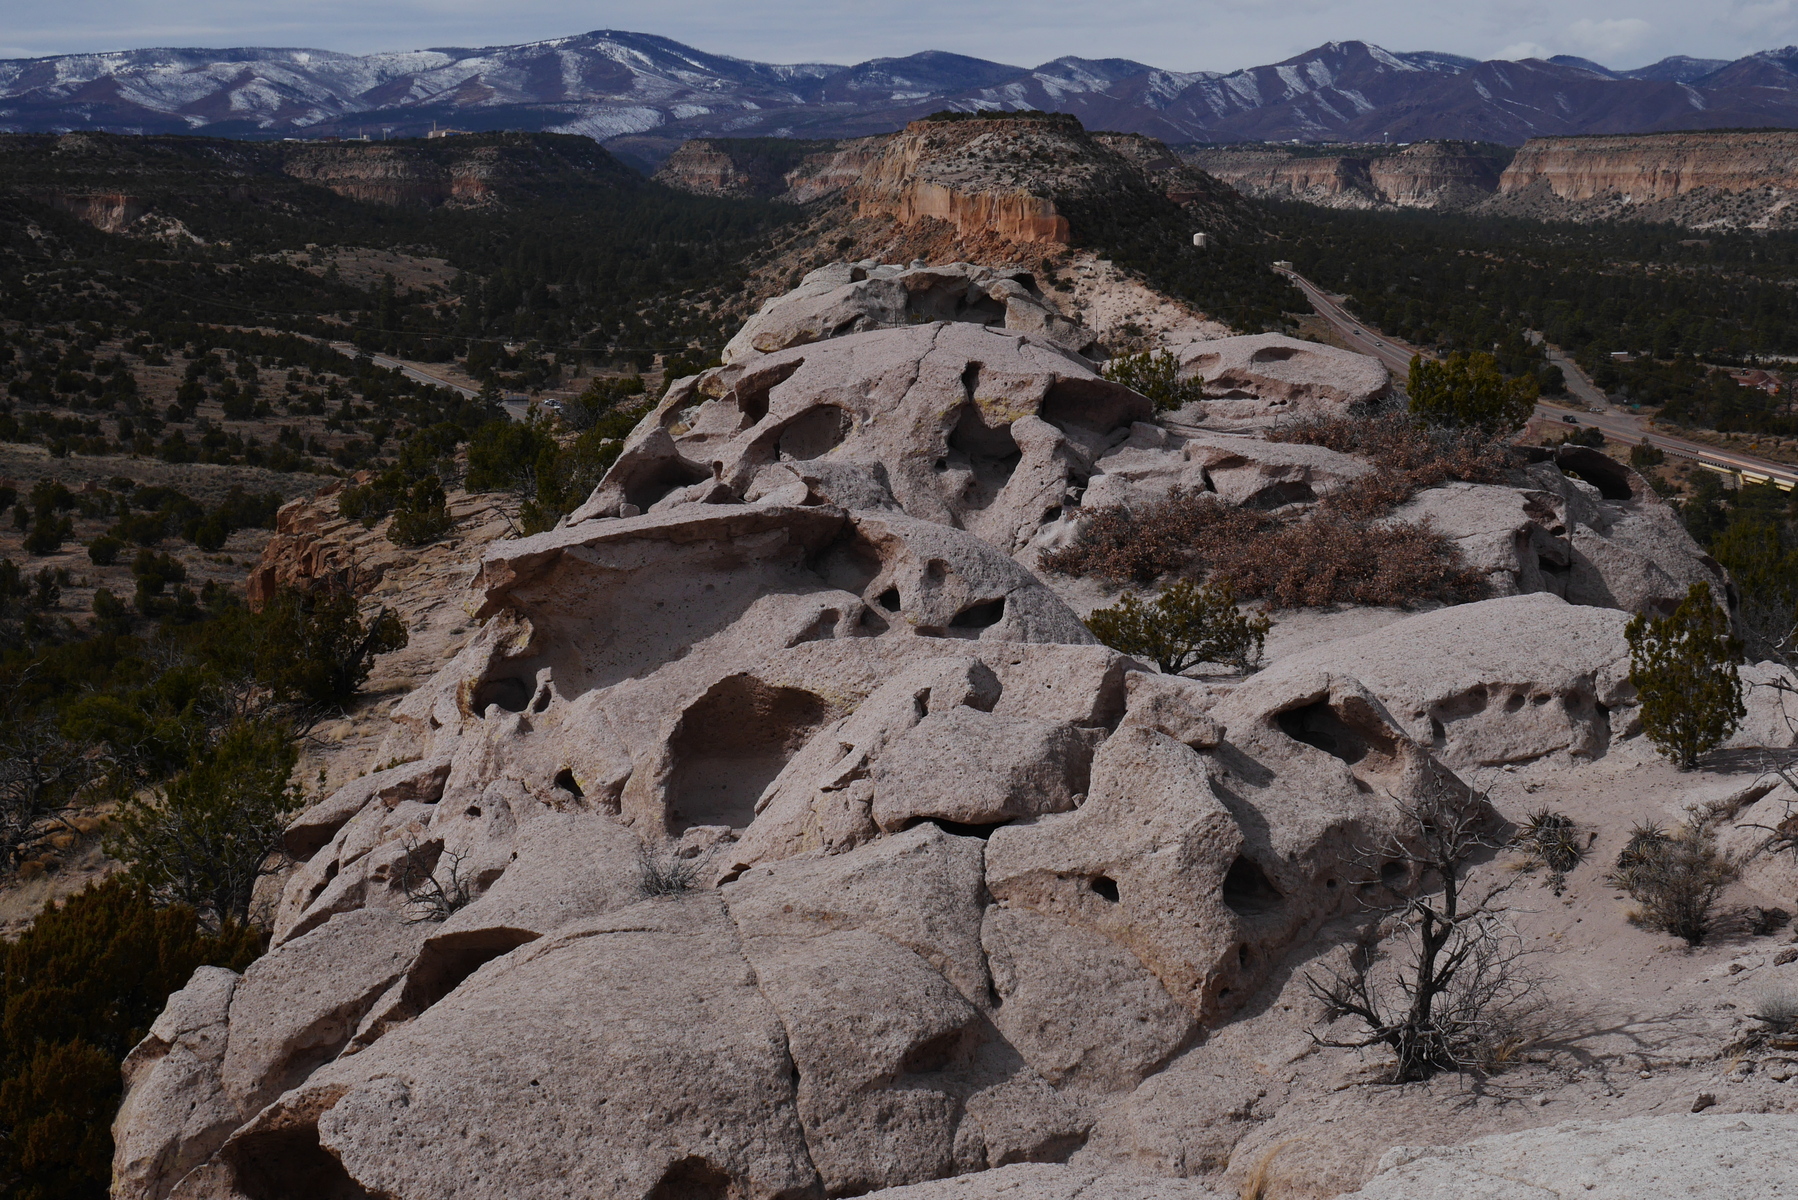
[1191,35]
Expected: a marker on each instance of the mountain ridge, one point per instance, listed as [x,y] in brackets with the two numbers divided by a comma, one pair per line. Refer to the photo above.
[648,93]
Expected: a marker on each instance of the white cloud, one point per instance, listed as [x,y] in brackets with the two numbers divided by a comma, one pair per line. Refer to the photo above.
[1609,37]
[1524,50]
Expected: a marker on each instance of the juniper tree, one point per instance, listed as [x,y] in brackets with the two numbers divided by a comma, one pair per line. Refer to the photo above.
[1683,667]
[1186,625]
[1469,390]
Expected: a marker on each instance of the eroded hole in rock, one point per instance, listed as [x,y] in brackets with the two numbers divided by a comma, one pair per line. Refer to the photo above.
[814,433]
[652,484]
[513,695]
[872,623]
[753,392]
[962,829]
[889,600]
[731,744]
[1269,354]
[934,1054]
[1247,890]
[1603,472]
[1242,956]
[1279,495]
[542,700]
[1091,404]
[1393,875]
[980,616]
[1318,725]
[446,962]
[991,452]
[285,1163]
[566,781]
[1105,887]
[692,1178]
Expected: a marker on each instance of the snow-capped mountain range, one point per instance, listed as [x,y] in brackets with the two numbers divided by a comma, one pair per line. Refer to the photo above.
[645,93]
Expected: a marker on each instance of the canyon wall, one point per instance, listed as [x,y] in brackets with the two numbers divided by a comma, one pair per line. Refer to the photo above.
[742,167]
[1741,179]
[1424,175]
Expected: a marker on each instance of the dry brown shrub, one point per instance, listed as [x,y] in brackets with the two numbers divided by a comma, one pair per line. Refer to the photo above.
[1160,538]
[1340,552]
[1406,457]
[1324,557]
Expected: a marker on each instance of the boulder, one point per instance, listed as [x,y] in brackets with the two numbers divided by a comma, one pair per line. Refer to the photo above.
[420,781]
[1035,1181]
[678,1082]
[1080,1008]
[969,427]
[1240,470]
[1499,681]
[176,1112]
[845,298]
[1260,379]
[1735,1154]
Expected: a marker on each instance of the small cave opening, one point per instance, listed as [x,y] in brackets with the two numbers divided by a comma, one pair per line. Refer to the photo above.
[730,745]
[1394,874]
[962,828]
[753,391]
[980,616]
[656,480]
[1104,887]
[1597,468]
[814,433]
[280,1163]
[1247,891]
[511,694]
[446,962]
[566,781]
[889,600]
[692,1178]
[1318,725]
[991,454]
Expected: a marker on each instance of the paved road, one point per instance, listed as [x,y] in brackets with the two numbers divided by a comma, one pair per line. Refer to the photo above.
[406,369]
[1615,424]
[1396,355]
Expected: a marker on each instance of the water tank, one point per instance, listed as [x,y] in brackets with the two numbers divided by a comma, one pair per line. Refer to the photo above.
[1201,240]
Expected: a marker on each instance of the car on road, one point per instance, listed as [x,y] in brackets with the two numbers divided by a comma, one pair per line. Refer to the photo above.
[1571,420]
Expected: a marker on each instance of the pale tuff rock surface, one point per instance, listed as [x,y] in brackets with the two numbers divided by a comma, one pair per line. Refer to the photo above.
[1255,379]
[856,297]
[1735,1155]
[974,896]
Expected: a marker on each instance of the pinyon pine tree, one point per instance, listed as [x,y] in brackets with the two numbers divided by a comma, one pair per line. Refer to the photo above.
[1186,625]
[1684,669]
[1466,390]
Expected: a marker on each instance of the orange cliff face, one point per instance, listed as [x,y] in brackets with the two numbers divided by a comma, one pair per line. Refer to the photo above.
[981,176]
[1646,168]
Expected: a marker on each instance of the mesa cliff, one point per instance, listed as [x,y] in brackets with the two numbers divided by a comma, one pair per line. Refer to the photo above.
[1425,175]
[1728,179]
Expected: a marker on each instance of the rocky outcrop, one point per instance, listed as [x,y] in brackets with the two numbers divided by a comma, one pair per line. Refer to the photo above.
[977,428]
[854,297]
[1255,381]
[1738,1154]
[779,833]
